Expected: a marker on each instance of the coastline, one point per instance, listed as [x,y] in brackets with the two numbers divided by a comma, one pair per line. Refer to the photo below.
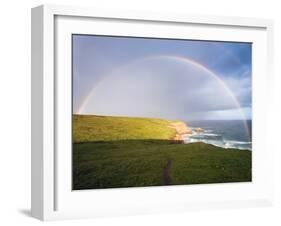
[182,129]
[186,134]
[127,146]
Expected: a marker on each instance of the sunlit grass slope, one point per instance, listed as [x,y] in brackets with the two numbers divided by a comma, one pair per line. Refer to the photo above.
[112,152]
[106,128]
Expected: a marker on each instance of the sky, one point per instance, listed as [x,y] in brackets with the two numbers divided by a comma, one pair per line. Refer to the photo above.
[162,78]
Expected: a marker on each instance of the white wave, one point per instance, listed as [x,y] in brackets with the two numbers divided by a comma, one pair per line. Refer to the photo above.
[219,143]
[212,134]
[238,145]
[238,142]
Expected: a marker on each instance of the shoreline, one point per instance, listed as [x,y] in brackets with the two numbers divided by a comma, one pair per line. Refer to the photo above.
[182,129]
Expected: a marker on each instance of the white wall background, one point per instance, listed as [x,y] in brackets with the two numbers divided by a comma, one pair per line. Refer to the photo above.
[15,111]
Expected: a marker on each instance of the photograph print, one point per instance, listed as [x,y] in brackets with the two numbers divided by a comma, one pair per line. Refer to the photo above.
[159,112]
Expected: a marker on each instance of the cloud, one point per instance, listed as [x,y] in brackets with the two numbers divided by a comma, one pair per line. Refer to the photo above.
[168,89]
[241,85]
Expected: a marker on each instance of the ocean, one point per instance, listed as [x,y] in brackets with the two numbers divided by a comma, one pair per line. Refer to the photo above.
[222,133]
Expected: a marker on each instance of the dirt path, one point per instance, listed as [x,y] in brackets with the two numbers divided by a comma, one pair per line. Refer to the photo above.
[167,178]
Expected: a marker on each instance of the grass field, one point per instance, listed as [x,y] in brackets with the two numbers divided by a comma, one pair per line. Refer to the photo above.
[111,152]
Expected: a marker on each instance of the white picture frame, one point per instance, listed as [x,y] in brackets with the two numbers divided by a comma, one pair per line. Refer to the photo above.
[52,198]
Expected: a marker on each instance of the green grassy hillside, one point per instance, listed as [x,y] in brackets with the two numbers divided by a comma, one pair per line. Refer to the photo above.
[110,152]
[107,128]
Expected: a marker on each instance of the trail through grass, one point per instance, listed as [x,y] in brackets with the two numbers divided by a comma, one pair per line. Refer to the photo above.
[114,152]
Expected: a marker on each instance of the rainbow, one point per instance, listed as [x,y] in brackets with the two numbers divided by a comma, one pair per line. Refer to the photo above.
[183,60]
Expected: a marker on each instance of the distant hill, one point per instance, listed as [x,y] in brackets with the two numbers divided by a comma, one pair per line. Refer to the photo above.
[88,128]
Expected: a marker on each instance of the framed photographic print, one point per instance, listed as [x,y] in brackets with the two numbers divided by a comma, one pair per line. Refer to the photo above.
[140,112]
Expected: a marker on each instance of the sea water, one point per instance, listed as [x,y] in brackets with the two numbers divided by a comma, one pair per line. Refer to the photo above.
[222,133]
